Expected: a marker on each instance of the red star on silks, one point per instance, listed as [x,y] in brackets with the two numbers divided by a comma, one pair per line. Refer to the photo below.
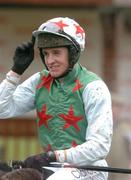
[78,85]
[71,119]
[74,144]
[46,82]
[61,24]
[79,30]
[43,117]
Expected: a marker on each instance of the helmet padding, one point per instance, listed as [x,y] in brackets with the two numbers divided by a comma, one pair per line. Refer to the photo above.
[48,40]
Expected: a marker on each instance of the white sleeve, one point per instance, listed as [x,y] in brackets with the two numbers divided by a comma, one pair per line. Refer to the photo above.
[98,109]
[17,100]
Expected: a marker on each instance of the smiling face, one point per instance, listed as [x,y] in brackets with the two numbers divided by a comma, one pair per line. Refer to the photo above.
[56,60]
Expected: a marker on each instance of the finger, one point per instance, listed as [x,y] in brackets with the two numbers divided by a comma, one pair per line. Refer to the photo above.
[24,45]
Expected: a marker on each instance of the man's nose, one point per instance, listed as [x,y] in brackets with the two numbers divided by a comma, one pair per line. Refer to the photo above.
[50,59]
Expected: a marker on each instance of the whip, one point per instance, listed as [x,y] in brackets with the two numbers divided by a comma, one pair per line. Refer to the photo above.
[94,168]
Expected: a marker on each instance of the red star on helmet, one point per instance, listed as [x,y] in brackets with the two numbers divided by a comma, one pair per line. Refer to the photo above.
[79,30]
[43,117]
[71,119]
[61,24]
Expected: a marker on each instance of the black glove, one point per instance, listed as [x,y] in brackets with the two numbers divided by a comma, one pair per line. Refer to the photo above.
[37,161]
[24,55]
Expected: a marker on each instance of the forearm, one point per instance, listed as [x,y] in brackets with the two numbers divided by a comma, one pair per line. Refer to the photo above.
[16,100]
[7,88]
[85,154]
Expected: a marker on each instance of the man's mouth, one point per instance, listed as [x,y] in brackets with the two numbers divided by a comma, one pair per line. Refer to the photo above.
[53,68]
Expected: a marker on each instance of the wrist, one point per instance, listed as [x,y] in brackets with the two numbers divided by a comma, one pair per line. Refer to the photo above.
[51,155]
[14,74]
[61,156]
[13,77]
[17,70]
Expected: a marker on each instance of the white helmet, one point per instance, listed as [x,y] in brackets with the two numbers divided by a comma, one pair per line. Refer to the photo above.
[63,27]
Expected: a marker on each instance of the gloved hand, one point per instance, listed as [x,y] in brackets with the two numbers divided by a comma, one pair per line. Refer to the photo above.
[24,55]
[37,161]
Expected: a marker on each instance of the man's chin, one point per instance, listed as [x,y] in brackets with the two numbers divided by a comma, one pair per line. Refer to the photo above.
[54,75]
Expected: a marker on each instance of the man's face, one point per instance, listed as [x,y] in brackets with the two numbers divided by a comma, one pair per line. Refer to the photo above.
[56,60]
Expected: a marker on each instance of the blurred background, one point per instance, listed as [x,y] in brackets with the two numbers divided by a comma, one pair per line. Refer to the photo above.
[108,53]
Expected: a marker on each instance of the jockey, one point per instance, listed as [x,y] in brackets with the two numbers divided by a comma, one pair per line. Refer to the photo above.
[73,104]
